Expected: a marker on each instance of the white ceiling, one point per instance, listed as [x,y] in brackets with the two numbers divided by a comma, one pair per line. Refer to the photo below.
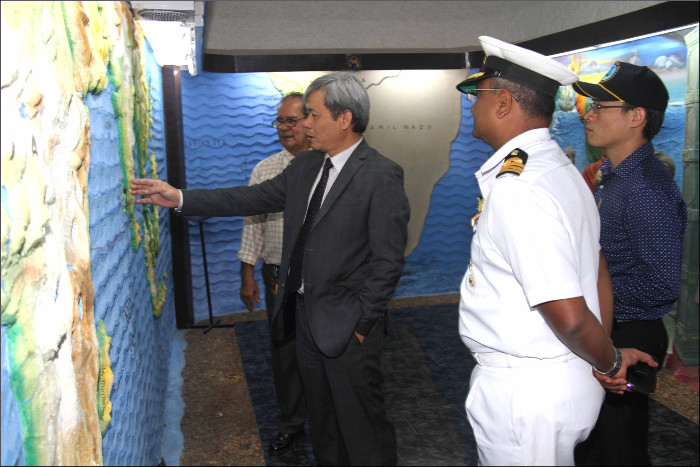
[294,27]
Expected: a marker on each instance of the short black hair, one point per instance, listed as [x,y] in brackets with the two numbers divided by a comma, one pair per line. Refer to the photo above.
[655,118]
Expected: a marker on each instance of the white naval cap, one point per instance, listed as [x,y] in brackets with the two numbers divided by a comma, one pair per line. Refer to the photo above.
[520,65]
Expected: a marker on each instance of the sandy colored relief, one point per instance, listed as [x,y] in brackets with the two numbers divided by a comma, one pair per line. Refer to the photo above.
[47,299]
[57,365]
[105,378]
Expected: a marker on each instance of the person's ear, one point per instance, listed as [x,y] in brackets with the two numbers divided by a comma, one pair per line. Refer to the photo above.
[346,119]
[504,100]
[639,117]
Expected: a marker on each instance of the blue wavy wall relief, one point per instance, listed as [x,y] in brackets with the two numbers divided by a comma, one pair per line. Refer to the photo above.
[227,131]
[140,347]
[437,264]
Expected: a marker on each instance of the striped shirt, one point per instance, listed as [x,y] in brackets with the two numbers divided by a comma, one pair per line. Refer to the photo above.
[262,234]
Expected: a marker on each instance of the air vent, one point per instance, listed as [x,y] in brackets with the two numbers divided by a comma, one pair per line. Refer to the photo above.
[164,15]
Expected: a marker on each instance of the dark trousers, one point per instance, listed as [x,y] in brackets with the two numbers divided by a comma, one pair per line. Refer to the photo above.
[349,425]
[620,436]
[285,370]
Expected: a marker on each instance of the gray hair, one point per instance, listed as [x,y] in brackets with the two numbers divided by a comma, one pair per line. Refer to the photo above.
[344,91]
[294,95]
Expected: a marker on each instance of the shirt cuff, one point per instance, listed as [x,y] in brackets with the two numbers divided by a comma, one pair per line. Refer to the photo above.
[179,206]
[248,258]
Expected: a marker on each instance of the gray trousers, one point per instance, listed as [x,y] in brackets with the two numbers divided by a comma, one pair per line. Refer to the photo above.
[285,371]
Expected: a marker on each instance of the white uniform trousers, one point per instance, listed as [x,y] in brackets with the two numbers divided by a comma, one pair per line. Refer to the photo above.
[532,415]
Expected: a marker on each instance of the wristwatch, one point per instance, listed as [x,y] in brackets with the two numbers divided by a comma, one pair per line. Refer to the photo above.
[615,368]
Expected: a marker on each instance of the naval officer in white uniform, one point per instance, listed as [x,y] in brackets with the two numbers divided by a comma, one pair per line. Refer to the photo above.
[530,311]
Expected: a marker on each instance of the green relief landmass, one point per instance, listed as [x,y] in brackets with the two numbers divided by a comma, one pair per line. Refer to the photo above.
[119,72]
[133,106]
[105,377]
[143,120]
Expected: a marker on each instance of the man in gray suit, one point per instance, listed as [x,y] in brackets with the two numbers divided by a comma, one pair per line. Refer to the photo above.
[345,231]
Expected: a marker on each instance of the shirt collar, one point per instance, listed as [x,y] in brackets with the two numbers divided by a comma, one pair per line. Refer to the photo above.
[629,165]
[486,175]
[287,157]
[342,157]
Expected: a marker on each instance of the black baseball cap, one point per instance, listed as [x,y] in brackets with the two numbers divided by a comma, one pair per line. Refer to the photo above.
[636,85]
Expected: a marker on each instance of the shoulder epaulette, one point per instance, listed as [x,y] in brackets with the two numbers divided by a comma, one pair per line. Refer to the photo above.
[514,163]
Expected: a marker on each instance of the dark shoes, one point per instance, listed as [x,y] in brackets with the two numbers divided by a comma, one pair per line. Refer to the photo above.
[284,441]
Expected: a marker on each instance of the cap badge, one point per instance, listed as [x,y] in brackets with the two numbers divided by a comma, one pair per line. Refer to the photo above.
[611,72]
[514,163]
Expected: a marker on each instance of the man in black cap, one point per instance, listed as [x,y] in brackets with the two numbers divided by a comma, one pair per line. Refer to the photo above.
[643,219]
[530,311]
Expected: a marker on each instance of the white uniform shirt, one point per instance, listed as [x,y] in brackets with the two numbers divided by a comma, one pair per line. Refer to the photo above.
[536,240]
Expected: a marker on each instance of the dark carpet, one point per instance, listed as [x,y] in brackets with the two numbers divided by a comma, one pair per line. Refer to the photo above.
[427,369]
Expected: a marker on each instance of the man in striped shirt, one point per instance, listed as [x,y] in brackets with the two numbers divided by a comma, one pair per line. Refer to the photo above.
[262,239]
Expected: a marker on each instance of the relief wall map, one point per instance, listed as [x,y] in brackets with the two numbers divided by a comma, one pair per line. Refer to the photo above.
[58,380]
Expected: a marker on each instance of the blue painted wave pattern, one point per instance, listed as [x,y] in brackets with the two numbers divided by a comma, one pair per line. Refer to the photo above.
[437,264]
[140,348]
[227,121]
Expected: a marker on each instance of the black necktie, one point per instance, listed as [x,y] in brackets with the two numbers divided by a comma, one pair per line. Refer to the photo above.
[297,260]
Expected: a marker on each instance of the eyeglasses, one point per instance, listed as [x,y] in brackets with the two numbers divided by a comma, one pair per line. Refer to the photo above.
[291,121]
[472,94]
[595,107]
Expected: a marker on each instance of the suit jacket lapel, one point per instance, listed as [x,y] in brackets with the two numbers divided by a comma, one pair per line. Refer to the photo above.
[354,162]
[303,190]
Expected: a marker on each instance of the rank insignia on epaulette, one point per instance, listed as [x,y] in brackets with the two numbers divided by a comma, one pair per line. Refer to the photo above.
[514,163]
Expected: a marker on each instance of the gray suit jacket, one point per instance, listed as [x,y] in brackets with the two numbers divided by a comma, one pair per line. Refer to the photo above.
[355,251]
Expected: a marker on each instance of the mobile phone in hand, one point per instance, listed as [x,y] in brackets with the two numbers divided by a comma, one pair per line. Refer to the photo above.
[641,378]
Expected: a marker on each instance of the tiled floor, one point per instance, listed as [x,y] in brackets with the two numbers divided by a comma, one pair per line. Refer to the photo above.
[427,372]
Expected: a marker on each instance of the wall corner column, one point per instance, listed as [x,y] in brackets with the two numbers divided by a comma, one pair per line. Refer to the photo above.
[179,233]
[686,334]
